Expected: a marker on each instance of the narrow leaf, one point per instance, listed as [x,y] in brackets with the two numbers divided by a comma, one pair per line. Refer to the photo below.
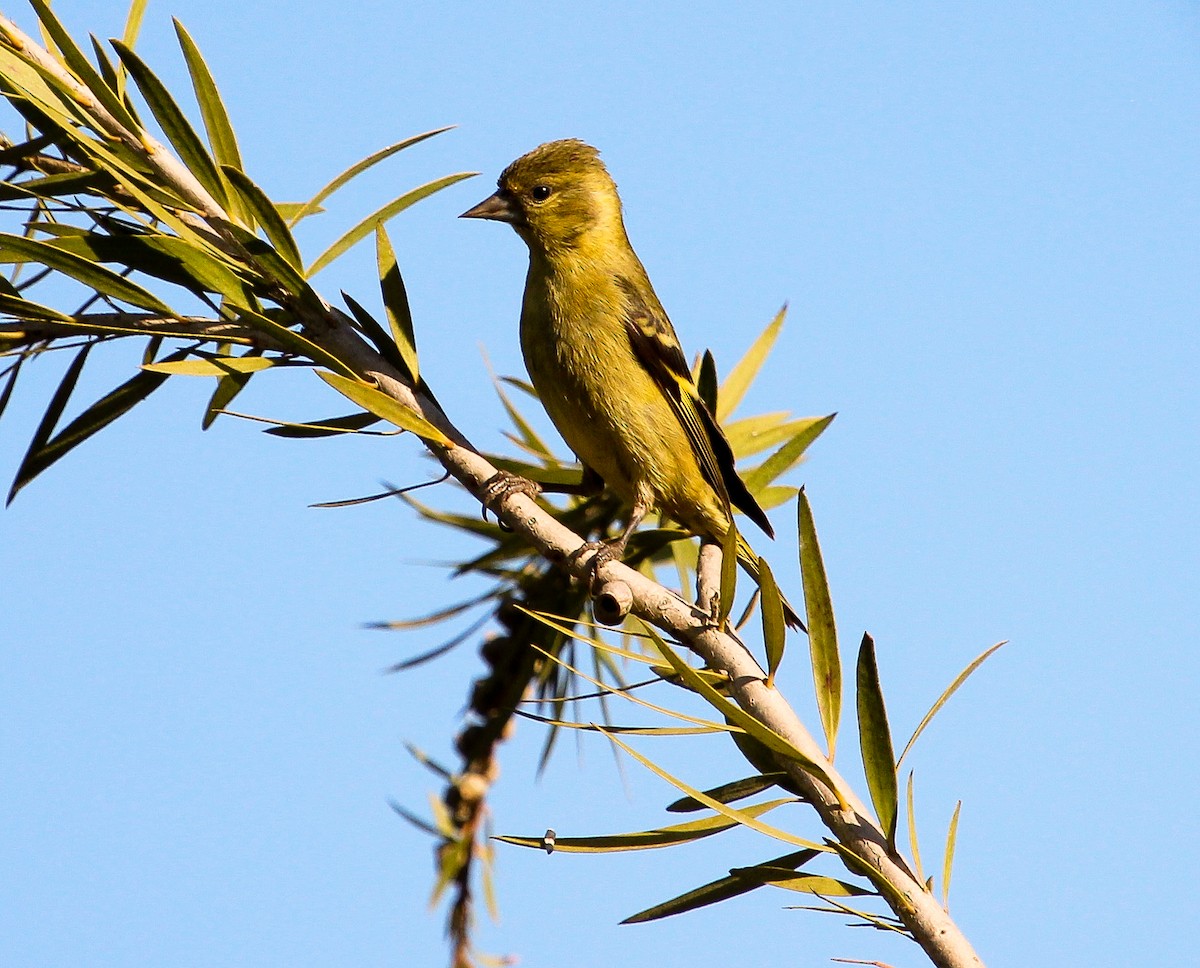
[813,884]
[330,427]
[774,631]
[29,467]
[728,589]
[734,714]
[786,457]
[743,374]
[217,366]
[174,124]
[228,387]
[295,342]
[648,839]
[941,700]
[395,302]
[267,215]
[912,829]
[97,277]
[212,108]
[98,416]
[394,207]
[822,632]
[745,879]
[314,205]
[376,334]
[948,863]
[380,404]
[875,740]
[743,817]
[133,23]
[81,67]
[730,792]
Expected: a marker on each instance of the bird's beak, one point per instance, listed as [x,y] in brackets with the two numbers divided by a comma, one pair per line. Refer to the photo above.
[498,207]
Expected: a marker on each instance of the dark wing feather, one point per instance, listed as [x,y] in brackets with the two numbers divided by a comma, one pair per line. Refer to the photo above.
[657,348]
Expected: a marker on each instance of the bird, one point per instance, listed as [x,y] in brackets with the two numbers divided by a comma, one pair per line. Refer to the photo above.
[604,358]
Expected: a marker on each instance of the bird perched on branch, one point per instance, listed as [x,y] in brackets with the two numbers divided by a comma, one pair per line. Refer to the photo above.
[603,355]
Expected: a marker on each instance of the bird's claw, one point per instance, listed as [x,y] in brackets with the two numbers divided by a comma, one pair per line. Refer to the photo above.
[602,552]
[499,486]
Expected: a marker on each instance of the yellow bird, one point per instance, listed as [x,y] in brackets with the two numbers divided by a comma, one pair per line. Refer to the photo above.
[603,355]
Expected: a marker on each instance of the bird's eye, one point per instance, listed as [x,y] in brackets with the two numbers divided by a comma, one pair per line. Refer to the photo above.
[540,193]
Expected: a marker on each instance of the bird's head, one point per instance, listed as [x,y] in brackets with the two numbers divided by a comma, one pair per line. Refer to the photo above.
[555,197]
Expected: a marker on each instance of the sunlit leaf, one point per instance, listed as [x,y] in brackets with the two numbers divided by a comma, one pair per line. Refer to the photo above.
[785,457]
[388,211]
[743,374]
[395,302]
[267,215]
[941,700]
[380,404]
[174,123]
[948,861]
[81,67]
[314,204]
[822,632]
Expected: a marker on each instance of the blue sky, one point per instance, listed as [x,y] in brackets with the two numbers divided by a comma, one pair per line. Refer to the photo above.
[984,220]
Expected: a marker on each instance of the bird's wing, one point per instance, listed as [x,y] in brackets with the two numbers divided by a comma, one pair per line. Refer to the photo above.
[657,348]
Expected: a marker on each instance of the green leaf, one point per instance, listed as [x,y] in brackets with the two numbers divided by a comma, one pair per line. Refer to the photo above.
[212,108]
[788,455]
[942,699]
[822,631]
[912,829]
[811,884]
[394,207]
[174,124]
[774,631]
[948,862]
[706,381]
[81,67]
[97,277]
[98,416]
[743,374]
[875,740]
[267,215]
[218,366]
[314,204]
[133,23]
[730,792]
[395,302]
[647,839]
[294,342]
[6,394]
[728,589]
[380,404]
[22,309]
[738,882]
[30,465]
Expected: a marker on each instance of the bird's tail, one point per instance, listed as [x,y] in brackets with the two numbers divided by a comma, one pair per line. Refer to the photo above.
[749,562]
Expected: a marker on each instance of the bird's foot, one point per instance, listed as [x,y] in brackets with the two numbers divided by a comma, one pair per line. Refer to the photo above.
[499,486]
[602,552]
